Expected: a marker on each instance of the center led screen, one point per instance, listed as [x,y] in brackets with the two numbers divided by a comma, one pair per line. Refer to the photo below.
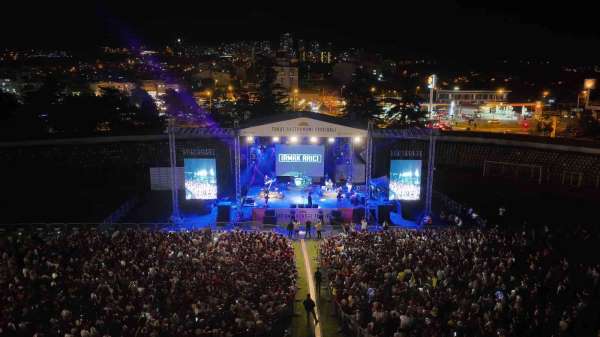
[299,160]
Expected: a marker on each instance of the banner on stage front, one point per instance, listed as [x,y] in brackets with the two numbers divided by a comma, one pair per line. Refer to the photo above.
[285,215]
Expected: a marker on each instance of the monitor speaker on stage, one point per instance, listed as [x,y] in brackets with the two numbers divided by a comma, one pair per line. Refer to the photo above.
[358,214]
[315,206]
[223,213]
[293,206]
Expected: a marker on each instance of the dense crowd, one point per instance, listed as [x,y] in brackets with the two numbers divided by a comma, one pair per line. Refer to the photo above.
[144,283]
[467,282]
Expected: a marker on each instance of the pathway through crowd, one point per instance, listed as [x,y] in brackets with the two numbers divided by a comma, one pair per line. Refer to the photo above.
[306,252]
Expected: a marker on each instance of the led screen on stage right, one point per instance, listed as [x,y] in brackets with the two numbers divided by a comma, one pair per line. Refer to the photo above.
[405,180]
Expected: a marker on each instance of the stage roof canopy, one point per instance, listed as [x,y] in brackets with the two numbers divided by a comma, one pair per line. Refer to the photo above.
[303,124]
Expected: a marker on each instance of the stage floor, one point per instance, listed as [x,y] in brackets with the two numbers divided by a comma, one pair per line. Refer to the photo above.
[300,197]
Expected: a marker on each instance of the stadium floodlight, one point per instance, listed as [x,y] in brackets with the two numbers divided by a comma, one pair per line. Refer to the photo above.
[275,139]
[331,140]
[314,139]
[294,139]
[250,139]
[357,140]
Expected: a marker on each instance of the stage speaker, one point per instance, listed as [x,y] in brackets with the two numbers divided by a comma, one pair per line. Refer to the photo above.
[315,206]
[300,205]
[223,213]
[270,220]
[270,212]
[249,201]
[384,213]
[358,214]
[293,206]
[336,218]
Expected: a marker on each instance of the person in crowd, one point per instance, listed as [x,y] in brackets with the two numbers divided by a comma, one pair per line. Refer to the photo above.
[385,226]
[318,277]
[318,228]
[346,226]
[309,307]
[144,283]
[290,229]
[467,281]
[296,228]
[364,224]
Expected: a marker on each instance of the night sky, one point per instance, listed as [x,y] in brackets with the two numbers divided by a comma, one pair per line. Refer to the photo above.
[450,29]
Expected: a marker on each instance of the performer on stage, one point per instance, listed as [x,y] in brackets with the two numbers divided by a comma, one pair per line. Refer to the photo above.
[266,192]
[309,199]
[349,184]
[328,185]
[339,194]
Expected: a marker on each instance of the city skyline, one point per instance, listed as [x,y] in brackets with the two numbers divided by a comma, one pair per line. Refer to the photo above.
[456,30]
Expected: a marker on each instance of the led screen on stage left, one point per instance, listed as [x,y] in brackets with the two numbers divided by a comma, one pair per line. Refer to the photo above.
[405,180]
[200,178]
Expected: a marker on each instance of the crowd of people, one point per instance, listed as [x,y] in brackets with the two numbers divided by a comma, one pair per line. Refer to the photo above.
[467,282]
[144,283]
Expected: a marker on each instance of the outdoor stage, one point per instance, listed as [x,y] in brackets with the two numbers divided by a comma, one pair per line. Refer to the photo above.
[288,156]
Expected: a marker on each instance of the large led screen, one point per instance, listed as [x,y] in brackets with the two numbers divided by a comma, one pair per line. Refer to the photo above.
[299,160]
[200,178]
[405,180]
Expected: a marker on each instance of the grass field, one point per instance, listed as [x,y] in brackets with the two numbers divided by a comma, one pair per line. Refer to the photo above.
[328,323]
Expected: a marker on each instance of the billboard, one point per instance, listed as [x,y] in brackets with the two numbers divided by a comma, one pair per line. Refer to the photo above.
[299,160]
[405,179]
[200,176]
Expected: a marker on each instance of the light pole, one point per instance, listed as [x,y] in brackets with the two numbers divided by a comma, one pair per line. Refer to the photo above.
[209,94]
[431,81]
[230,90]
[295,101]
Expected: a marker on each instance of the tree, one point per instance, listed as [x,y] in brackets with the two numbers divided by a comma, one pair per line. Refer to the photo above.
[589,126]
[183,107]
[243,108]
[147,117]
[8,106]
[360,99]
[271,97]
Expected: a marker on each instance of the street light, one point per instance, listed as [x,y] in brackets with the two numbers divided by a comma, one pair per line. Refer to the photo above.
[209,94]
[295,98]
[431,84]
